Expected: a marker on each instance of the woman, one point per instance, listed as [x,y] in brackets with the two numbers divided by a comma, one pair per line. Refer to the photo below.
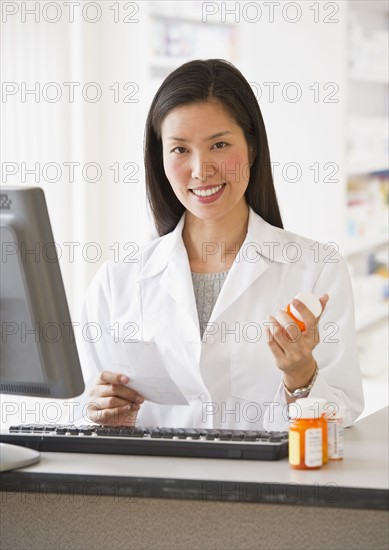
[206,299]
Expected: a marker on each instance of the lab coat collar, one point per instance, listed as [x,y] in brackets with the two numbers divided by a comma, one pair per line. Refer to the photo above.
[159,253]
[264,244]
[269,241]
[262,239]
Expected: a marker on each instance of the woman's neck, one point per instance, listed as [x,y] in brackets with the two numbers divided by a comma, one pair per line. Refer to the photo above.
[212,245]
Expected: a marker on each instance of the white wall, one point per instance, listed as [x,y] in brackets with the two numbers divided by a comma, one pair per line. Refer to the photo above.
[79,130]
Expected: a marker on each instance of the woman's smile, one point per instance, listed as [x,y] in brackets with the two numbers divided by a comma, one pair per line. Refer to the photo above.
[208,193]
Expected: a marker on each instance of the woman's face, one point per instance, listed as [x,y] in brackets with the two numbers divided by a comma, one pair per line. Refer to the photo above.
[206,159]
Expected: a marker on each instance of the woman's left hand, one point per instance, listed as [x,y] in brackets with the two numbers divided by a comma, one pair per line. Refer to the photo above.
[293,348]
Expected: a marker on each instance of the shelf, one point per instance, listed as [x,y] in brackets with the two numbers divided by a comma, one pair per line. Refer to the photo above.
[367,316]
[360,245]
[176,10]
[372,5]
[178,35]
[367,165]
[363,77]
[188,17]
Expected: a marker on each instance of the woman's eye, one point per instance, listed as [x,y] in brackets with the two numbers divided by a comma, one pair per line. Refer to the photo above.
[220,145]
[178,150]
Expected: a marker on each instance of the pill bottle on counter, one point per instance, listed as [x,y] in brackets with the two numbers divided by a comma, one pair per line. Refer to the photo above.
[305,435]
[335,433]
[310,301]
[321,405]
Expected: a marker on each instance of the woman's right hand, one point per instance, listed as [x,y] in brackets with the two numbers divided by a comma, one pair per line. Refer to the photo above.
[111,403]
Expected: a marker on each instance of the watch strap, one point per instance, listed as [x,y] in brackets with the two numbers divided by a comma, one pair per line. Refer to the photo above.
[302,392]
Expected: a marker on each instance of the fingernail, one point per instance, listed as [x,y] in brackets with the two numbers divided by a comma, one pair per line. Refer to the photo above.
[139,400]
[124,380]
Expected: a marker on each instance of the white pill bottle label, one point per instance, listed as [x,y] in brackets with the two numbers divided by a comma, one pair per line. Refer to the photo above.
[335,439]
[313,447]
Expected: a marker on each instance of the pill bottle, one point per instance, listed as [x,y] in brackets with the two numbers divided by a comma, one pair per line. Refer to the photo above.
[305,435]
[310,301]
[320,405]
[335,433]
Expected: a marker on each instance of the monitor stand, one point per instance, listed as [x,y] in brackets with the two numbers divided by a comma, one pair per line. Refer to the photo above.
[14,456]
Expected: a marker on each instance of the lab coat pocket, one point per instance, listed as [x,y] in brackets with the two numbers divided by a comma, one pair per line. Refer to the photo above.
[254,376]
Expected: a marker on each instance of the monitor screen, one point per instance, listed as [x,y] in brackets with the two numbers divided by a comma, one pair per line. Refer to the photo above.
[37,347]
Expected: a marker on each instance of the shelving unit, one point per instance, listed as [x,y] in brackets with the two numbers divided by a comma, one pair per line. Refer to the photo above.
[355,247]
[370,315]
[360,76]
[366,245]
[179,34]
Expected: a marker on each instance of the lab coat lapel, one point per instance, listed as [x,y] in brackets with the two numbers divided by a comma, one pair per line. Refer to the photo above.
[253,259]
[169,259]
[177,282]
[241,276]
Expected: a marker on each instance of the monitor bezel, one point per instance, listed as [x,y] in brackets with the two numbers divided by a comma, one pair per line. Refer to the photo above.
[26,217]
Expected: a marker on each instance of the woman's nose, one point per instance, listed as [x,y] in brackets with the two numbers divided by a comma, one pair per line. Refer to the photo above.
[203,169]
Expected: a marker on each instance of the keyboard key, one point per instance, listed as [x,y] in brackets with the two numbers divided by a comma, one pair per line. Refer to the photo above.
[155,432]
[193,434]
[113,432]
[225,435]
[181,433]
[86,431]
[250,436]
[167,433]
[237,435]
[38,429]
[61,430]
[212,434]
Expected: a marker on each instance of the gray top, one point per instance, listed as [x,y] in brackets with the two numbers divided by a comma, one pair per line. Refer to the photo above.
[207,287]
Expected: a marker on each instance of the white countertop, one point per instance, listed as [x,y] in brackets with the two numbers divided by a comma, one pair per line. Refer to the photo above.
[365,464]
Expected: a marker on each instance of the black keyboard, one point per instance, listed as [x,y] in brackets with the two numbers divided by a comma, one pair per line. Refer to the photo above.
[182,442]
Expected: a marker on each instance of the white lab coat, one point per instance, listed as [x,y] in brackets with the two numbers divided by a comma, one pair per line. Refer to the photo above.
[229,377]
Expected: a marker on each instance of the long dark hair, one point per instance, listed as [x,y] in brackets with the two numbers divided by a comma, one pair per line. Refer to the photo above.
[194,82]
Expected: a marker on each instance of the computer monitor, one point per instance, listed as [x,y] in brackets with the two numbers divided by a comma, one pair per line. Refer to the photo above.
[38,353]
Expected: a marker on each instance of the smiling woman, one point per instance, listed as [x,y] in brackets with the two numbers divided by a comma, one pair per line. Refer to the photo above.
[207,297]
[218,93]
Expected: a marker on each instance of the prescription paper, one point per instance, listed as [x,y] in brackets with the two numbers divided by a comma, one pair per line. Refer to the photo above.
[144,366]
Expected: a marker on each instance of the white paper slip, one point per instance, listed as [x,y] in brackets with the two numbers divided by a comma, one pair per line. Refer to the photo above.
[143,365]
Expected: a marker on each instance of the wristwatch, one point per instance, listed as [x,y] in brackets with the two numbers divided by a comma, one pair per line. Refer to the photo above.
[302,392]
